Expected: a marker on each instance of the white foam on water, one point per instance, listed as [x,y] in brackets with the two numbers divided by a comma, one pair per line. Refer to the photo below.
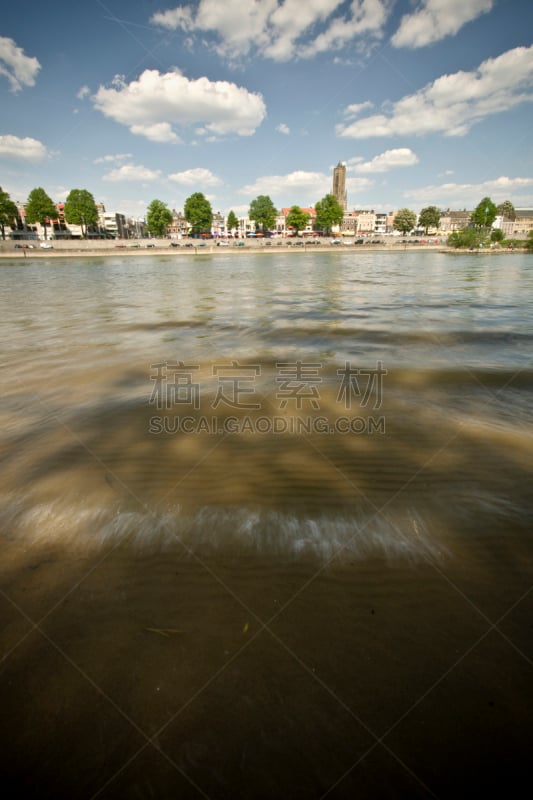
[213,531]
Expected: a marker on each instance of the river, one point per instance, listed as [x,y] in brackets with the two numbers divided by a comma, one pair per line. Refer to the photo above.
[267,525]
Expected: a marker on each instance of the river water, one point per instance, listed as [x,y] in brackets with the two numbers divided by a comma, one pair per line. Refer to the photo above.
[267,525]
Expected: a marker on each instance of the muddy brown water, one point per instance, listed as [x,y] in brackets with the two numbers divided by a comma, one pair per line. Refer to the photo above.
[266,526]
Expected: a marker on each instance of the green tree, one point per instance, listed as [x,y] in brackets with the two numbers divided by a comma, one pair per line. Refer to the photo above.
[232,223]
[263,212]
[404,221]
[40,208]
[198,213]
[429,218]
[158,218]
[496,235]
[8,211]
[484,214]
[328,213]
[466,238]
[297,219]
[80,209]
[529,241]
[506,209]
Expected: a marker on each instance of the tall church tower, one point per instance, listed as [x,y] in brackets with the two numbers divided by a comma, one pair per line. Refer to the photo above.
[339,185]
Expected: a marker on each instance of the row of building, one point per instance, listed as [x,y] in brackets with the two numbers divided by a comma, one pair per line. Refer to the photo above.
[358,222]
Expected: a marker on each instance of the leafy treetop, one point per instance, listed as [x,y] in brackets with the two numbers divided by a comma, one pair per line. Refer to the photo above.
[198,213]
[40,208]
[80,209]
[429,218]
[158,218]
[506,209]
[329,212]
[263,212]
[405,220]
[232,222]
[484,214]
[8,211]
[297,218]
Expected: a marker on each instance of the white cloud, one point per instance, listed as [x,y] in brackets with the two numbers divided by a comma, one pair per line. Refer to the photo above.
[390,159]
[151,105]
[453,103]
[83,92]
[433,20]
[112,159]
[296,187]
[16,66]
[132,172]
[195,177]
[355,109]
[282,128]
[279,30]
[465,195]
[354,185]
[26,149]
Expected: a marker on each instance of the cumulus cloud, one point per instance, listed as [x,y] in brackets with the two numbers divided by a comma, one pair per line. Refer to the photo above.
[282,128]
[460,195]
[433,20]
[280,30]
[112,159]
[26,149]
[20,69]
[195,177]
[151,105]
[295,187]
[355,109]
[83,92]
[390,159]
[132,172]
[452,104]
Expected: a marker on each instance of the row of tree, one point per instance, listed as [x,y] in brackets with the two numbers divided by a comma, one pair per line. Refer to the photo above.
[80,209]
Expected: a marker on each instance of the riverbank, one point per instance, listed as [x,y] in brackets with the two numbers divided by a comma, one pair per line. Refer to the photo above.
[133,248]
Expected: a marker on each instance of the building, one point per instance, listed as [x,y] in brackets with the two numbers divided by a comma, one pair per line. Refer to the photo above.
[281,222]
[339,185]
[454,220]
[520,226]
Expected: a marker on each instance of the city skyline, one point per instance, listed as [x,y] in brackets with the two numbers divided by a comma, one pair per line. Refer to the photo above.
[425,102]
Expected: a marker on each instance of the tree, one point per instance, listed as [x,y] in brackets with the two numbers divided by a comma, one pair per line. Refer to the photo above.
[198,213]
[297,219]
[484,214]
[506,209]
[232,223]
[263,212]
[8,211]
[404,221]
[466,238]
[328,213]
[529,241]
[158,218]
[40,208]
[429,218]
[80,209]
[497,235]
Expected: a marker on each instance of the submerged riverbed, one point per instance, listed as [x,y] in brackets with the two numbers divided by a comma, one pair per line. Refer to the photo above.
[266,525]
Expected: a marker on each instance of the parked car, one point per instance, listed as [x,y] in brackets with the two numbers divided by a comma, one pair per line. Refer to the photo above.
[46,246]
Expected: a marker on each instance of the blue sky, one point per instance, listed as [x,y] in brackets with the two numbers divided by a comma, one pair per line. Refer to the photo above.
[426,101]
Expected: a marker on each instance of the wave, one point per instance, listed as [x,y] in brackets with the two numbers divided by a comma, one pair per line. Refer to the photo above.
[226,532]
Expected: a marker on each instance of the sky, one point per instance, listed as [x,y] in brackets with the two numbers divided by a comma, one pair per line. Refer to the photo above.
[428,102]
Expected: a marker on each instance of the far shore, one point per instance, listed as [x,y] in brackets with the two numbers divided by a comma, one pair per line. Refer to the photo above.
[95,249]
